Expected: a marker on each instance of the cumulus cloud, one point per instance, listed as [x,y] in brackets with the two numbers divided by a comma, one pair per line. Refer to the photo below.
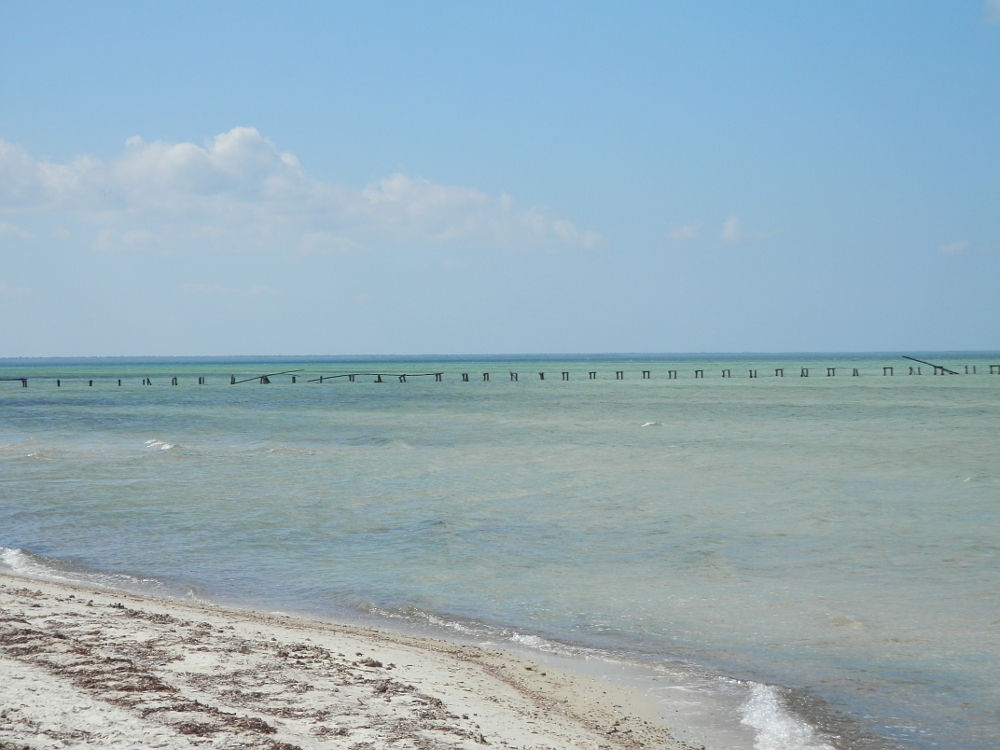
[953,248]
[9,231]
[220,291]
[327,243]
[684,232]
[239,190]
[731,229]
[111,240]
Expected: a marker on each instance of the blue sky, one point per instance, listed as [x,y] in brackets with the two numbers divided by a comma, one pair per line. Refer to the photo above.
[498,177]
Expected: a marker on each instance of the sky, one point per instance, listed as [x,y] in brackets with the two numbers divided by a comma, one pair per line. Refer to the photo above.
[461,178]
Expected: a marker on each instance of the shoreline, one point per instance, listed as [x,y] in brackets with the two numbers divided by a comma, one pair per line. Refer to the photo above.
[104,668]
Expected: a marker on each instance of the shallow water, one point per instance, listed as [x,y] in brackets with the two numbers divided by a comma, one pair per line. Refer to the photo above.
[835,537]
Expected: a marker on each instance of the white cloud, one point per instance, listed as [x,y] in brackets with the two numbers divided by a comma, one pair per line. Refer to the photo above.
[731,230]
[953,248]
[9,231]
[239,191]
[327,243]
[991,8]
[684,232]
[111,240]
[219,291]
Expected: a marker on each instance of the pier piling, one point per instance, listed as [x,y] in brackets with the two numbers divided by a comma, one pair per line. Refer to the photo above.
[938,369]
[887,371]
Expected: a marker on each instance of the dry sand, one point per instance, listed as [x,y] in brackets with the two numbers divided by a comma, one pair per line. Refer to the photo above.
[81,667]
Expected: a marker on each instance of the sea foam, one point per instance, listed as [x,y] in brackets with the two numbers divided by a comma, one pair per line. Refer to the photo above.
[776,728]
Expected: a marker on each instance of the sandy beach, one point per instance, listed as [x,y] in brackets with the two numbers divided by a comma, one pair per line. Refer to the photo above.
[81,667]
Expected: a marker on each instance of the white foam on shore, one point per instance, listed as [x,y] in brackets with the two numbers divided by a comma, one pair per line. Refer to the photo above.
[24,564]
[700,708]
[776,727]
[21,563]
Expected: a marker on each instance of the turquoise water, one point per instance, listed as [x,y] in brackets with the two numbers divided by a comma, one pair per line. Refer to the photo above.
[835,537]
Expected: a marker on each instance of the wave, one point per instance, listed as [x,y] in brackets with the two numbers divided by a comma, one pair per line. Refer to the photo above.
[480,632]
[29,448]
[760,707]
[24,564]
[174,450]
[775,726]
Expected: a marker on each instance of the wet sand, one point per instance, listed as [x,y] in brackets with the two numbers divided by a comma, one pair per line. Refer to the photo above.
[83,667]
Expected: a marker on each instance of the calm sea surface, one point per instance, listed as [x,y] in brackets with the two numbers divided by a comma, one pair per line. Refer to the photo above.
[821,554]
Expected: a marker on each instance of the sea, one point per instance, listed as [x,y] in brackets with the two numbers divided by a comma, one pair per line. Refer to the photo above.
[788,552]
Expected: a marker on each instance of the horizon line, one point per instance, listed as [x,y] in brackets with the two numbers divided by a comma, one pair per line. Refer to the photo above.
[483,356]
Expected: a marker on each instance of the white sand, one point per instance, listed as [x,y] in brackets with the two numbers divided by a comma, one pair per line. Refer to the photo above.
[90,668]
